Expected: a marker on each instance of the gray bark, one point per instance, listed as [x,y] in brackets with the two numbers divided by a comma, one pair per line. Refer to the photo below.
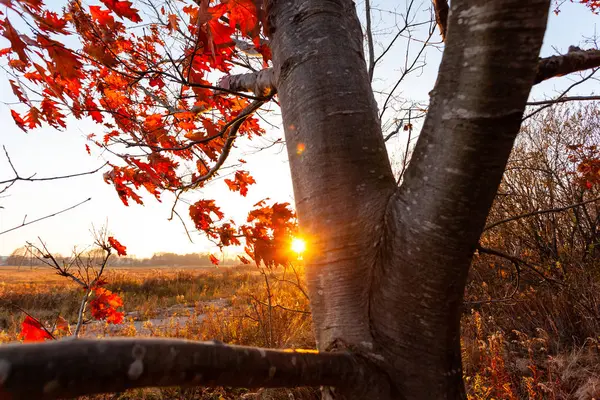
[340,170]
[388,268]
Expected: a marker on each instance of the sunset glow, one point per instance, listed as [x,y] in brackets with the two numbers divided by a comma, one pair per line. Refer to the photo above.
[298,245]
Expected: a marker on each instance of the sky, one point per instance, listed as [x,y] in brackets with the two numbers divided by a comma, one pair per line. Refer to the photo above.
[147,229]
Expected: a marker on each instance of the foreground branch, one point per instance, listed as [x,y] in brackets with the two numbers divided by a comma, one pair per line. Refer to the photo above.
[574,61]
[70,368]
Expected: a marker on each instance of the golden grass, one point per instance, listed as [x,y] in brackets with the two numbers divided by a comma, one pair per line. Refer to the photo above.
[538,347]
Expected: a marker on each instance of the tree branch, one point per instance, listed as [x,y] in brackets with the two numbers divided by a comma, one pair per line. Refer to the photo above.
[515,260]
[370,44]
[563,100]
[575,60]
[261,83]
[70,368]
[50,178]
[441,16]
[547,211]
[47,216]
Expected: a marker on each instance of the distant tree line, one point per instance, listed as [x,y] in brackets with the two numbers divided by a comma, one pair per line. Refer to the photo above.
[25,256]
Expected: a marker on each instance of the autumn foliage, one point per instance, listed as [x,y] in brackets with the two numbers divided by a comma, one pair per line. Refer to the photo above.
[149,81]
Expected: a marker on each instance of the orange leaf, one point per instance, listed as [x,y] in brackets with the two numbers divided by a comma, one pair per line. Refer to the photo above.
[214,260]
[123,9]
[18,120]
[114,243]
[16,44]
[104,306]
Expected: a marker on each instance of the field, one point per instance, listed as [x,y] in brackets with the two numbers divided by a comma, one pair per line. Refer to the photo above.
[539,346]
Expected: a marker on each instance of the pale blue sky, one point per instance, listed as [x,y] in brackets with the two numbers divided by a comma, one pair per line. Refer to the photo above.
[146,229]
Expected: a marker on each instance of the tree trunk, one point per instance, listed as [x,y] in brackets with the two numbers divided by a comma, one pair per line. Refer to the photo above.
[387,266]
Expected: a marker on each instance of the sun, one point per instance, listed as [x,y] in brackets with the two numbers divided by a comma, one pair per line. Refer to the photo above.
[298,245]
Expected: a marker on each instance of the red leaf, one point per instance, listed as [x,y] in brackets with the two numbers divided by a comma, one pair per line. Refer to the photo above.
[123,9]
[214,260]
[32,330]
[87,148]
[16,44]
[244,260]
[114,243]
[104,306]
[173,23]
[241,182]
[103,17]
[18,120]
[17,91]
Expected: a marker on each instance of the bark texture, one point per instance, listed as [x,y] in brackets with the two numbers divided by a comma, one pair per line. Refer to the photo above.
[438,213]
[340,170]
[70,368]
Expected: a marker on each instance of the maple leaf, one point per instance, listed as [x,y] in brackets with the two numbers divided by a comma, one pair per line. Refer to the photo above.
[242,13]
[32,119]
[87,149]
[18,120]
[114,243]
[173,23]
[105,304]
[16,88]
[33,331]
[65,62]
[16,44]
[214,260]
[123,9]
[51,22]
[241,182]
[201,213]
[244,260]
[103,17]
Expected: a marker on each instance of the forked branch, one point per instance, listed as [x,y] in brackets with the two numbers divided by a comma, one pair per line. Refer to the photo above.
[70,368]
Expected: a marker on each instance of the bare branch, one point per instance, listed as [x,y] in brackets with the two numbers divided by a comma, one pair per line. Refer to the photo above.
[369,33]
[563,100]
[548,211]
[441,16]
[51,178]
[70,368]
[575,60]
[515,260]
[47,216]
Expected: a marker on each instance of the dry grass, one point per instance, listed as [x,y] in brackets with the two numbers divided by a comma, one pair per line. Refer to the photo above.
[544,344]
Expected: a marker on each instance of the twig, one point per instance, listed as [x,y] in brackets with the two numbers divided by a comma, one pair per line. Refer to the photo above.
[51,178]
[47,216]
[518,260]
[563,100]
[371,65]
[531,214]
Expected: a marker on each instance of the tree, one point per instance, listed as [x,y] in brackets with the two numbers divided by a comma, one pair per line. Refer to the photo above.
[388,264]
